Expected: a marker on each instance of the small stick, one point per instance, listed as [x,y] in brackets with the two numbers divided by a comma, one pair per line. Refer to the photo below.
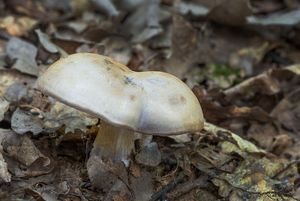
[162,193]
[188,186]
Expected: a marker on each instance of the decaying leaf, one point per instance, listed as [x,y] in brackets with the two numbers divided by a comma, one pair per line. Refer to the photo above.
[181,138]
[4,105]
[33,120]
[215,75]
[149,155]
[24,121]
[184,42]
[9,77]
[63,115]
[264,83]
[294,68]
[280,18]
[255,177]
[117,48]
[42,194]
[244,145]
[23,150]
[190,7]
[143,23]
[17,26]
[4,174]
[24,53]
[288,110]
[17,92]
[106,6]
[48,45]
[214,111]
[142,186]
[212,44]
[230,12]
[247,58]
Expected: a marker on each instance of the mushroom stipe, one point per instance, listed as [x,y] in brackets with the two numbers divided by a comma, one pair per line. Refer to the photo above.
[152,102]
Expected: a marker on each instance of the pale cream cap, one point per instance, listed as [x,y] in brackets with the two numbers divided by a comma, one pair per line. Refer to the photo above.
[148,102]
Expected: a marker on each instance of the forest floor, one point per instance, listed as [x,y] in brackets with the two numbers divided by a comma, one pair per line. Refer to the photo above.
[241,59]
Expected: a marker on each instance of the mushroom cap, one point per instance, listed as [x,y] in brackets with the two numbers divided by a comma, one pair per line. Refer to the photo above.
[148,102]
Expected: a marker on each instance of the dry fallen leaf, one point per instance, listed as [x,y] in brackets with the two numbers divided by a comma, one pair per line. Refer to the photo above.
[23,121]
[36,121]
[149,155]
[142,186]
[287,112]
[48,45]
[9,77]
[63,115]
[263,83]
[17,26]
[24,53]
[4,174]
[244,145]
[23,150]
[4,105]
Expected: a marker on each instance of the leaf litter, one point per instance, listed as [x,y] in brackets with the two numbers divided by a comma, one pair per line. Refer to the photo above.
[240,57]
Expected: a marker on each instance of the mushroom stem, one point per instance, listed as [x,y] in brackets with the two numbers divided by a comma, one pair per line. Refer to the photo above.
[112,142]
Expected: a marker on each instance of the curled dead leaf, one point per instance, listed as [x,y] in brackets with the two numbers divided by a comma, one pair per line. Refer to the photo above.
[4,105]
[23,150]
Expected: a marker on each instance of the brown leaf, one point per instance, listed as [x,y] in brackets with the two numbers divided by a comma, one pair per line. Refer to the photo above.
[184,47]
[4,174]
[288,110]
[17,26]
[4,105]
[216,113]
[230,12]
[263,83]
[149,155]
[22,149]
[142,186]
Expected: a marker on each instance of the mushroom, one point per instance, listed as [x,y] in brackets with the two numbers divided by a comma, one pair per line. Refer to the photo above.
[152,102]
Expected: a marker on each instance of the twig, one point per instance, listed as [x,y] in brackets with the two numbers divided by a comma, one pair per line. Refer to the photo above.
[186,187]
[162,193]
